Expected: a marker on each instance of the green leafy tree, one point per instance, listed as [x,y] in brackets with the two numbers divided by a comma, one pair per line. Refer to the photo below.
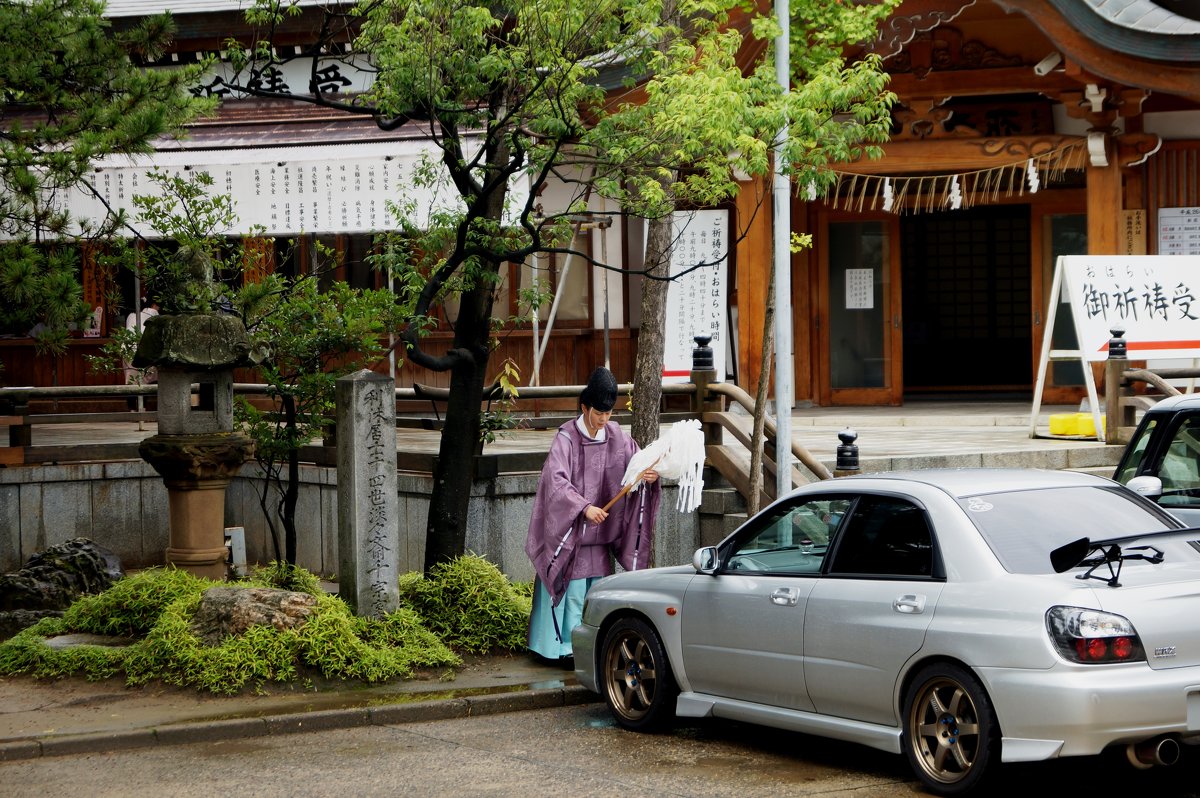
[314,337]
[708,115]
[309,337]
[70,94]
[648,103]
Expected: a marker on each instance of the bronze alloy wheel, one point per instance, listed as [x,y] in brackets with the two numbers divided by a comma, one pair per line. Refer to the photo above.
[638,684]
[949,729]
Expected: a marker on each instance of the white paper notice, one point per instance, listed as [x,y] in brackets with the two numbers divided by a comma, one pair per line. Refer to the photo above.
[860,289]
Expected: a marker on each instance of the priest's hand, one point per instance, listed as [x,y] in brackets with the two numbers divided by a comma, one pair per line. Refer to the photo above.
[649,476]
[594,514]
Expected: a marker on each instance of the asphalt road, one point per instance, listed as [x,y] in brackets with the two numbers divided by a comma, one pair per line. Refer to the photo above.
[573,751]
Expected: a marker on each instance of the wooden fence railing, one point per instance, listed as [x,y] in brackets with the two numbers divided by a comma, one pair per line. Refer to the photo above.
[1122,399]
[707,401]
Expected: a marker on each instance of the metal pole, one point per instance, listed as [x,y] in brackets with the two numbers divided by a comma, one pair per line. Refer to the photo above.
[782,208]
[390,250]
[535,378]
[140,403]
[604,274]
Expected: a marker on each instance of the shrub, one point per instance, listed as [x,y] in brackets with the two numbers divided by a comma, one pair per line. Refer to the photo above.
[470,605]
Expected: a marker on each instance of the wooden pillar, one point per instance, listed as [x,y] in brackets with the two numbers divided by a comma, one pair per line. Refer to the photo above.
[258,259]
[753,222]
[1104,205]
[1104,220]
[96,284]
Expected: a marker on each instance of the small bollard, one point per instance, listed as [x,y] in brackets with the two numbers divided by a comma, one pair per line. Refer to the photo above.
[1115,416]
[702,355]
[847,454]
[704,374]
[1116,345]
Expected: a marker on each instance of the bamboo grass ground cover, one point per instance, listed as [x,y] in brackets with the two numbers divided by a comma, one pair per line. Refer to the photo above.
[466,605]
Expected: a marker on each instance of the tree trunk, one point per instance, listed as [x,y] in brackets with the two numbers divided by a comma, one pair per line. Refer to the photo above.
[453,472]
[647,373]
[760,400]
[291,493]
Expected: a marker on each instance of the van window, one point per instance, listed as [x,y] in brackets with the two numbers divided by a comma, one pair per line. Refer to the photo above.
[1136,452]
[1180,469]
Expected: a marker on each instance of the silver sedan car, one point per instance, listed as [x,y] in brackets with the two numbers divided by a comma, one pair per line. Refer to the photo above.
[963,618]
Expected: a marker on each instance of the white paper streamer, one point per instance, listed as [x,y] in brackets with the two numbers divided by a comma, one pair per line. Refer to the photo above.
[677,455]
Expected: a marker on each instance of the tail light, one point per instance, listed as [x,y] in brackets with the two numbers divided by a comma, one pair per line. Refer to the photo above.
[1092,637]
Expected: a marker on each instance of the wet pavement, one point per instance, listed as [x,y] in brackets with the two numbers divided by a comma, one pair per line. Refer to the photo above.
[72,715]
[47,718]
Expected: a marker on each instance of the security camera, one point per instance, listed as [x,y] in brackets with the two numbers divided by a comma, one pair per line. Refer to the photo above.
[1048,63]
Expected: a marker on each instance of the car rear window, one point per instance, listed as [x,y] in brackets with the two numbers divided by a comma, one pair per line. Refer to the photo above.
[1023,527]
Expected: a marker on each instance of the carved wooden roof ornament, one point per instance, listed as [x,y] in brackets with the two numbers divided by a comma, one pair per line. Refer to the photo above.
[898,30]
[945,49]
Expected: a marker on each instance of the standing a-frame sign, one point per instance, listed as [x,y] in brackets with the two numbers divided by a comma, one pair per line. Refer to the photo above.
[1149,297]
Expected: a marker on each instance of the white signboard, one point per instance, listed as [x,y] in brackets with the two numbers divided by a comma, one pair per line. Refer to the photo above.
[1179,231]
[696,301]
[1156,300]
[290,190]
[332,77]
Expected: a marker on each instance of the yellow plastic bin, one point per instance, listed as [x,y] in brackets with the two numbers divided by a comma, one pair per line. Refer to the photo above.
[1063,424]
[1085,425]
[1075,424]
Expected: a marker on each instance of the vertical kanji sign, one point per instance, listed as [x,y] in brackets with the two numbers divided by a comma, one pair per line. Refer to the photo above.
[697,297]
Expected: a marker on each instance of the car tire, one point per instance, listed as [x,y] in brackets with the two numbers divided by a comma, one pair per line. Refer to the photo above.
[950,734]
[636,677]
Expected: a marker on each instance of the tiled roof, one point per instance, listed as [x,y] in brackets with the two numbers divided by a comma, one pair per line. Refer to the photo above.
[1143,29]
[141,8]
[1144,15]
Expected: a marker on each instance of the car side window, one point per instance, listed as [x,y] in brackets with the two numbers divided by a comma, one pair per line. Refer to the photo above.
[885,536]
[1180,469]
[791,539]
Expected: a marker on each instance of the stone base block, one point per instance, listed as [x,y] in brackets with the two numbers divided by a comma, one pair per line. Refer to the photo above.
[205,563]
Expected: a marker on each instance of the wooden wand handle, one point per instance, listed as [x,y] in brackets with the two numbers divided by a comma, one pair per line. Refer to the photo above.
[629,487]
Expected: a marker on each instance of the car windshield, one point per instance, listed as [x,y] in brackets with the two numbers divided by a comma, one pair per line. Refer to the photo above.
[1023,527]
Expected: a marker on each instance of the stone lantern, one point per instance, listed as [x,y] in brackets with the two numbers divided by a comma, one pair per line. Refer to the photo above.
[196,449]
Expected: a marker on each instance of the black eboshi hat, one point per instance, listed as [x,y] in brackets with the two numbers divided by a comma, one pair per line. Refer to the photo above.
[600,393]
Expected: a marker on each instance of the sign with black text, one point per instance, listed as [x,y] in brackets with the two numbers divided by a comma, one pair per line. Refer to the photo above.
[1154,299]
[698,293]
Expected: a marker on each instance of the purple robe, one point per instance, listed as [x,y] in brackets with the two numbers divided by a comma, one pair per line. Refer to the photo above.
[561,544]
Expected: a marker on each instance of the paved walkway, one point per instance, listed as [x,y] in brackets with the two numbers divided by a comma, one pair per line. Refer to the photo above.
[920,434]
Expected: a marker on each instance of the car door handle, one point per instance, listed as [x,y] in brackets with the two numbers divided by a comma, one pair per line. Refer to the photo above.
[909,604]
[785,596]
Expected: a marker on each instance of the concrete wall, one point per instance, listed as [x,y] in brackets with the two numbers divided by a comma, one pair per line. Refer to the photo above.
[123,507]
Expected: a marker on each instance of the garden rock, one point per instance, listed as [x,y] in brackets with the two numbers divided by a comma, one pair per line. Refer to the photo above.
[231,611]
[52,580]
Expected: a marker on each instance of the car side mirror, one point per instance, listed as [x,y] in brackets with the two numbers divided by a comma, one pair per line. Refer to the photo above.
[705,560]
[1150,487]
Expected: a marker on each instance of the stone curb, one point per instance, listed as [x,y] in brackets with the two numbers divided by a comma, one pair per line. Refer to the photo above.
[295,723]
